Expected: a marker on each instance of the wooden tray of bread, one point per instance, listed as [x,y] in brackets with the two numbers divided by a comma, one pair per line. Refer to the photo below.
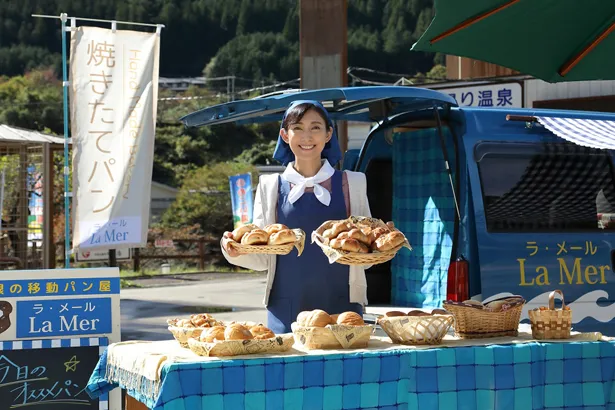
[192,327]
[274,239]
[236,338]
[317,329]
[359,241]
[416,327]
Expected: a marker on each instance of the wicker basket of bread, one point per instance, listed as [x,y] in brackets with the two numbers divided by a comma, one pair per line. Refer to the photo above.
[416,327]
[475,320]
[184,329]
[236,338]
[359,241]
[274,239]
[550,323]
[317,329]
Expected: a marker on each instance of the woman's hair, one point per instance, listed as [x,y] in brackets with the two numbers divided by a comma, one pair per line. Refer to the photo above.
[295,114]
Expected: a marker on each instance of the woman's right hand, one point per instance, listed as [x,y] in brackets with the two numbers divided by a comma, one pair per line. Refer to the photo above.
[227,238]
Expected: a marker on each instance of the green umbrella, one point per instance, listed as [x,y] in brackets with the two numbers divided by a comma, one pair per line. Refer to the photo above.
[555,40]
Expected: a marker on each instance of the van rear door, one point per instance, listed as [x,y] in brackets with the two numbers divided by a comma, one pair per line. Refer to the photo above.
[540,206]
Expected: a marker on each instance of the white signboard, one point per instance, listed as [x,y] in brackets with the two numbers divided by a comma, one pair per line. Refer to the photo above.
[114,91]
[87,255]
[501,95]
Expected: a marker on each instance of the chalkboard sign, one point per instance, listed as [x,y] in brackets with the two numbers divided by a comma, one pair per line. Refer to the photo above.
[47,379]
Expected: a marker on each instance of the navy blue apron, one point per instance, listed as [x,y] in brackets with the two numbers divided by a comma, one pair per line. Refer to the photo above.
[308,282]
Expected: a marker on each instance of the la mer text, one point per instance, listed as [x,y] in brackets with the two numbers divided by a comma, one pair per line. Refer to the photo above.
[573,273]
[74,324]
[109,236]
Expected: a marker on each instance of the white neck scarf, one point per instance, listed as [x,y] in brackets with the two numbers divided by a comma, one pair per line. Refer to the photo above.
[300,183]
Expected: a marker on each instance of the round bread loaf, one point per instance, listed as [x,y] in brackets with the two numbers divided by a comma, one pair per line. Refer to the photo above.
[212,334]
[274,228]
[353,245]
[317,318]
[282,237]
[389,241]
[394,313]
[255,237]
[418,313]
[350,319]
[237,331]
[359,236]
[302,317]
[261,332]
[240,231]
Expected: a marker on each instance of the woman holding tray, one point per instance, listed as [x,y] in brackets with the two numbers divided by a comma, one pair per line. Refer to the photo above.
[308,193]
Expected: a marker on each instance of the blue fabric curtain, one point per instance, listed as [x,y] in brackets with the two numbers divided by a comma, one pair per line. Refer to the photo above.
[424,210]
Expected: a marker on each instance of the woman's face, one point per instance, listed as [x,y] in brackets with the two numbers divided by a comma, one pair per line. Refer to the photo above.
[307,138]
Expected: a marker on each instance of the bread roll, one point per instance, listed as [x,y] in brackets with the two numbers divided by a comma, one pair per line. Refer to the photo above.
[389,241]
[184,323]
[273,228]
[377,233]
[342,236]
[282,237]
[495,306]
[317,318]
[261,332]
[336,229]
[242,230]
[439,312]
[335,243]
[237,331]
[255,237]
[352,245]
[302,317]
[394,313]
[212,334]
[418,313]
[359,236]
[350,319]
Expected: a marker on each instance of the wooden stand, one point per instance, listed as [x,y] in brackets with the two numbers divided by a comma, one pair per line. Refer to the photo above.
[134,404]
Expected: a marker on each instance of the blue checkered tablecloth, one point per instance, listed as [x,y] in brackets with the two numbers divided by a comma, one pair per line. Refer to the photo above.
[528,376]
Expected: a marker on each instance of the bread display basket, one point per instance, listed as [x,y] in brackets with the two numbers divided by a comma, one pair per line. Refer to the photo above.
[182,333]
[551,323]
[495,319]
[278,344]
[356,258]
[273,249]
[332,336]
[416,330]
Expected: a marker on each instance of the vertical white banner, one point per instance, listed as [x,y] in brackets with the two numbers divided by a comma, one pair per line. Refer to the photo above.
[113,101]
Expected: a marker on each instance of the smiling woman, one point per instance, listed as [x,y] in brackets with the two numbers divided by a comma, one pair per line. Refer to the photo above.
[308,193]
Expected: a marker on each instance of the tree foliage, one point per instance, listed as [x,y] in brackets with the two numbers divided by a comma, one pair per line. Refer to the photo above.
[380,34]
[204,198]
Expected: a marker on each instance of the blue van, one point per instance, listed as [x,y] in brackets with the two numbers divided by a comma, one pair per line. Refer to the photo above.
[498,201]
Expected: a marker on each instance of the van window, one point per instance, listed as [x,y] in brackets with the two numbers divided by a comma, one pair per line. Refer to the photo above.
[548,188]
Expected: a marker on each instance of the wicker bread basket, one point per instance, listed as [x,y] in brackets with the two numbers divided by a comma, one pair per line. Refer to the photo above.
[416,330]
[273,249]
[355,258]
[551,323]
[280,343]
[477,322]
[332,336]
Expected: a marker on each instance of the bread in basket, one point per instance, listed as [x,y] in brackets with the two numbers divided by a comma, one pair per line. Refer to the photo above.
[359,241]
[273,239]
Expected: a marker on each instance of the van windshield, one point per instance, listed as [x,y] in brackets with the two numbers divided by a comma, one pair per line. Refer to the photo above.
[550,188]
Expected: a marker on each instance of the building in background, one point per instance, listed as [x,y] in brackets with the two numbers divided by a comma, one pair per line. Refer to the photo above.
[161,199]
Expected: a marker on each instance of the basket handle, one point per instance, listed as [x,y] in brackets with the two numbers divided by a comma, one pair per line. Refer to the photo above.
[552,299]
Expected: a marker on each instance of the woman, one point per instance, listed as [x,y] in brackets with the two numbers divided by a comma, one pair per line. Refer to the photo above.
[308,193]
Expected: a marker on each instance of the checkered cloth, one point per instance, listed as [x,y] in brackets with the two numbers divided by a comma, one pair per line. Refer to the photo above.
[424,210]
[556,191]
[529,376]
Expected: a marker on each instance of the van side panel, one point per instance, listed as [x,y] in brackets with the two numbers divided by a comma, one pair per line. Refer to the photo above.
[536,202]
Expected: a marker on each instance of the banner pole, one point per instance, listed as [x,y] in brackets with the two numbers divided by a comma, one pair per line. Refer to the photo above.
[65,84]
